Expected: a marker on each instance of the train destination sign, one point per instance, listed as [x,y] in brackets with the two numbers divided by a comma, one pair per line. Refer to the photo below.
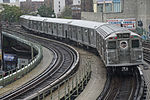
[129,23]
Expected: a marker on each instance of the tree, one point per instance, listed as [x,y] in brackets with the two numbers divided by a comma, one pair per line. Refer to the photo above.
[45,11]
[67,13]
[11,13]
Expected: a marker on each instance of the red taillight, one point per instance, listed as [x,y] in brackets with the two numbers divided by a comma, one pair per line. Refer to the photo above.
[115,37]
[131,36]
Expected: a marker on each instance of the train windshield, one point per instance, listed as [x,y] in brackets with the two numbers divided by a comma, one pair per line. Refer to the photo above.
[135,43]
[112,45]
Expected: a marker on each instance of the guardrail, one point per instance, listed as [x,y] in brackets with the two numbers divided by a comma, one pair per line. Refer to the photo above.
[143,87]
[106,87]
[18,73]
[68,89]
[140,85]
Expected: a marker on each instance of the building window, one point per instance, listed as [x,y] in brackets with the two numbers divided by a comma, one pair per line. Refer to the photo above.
[109,6]
[59,2]
[117,7]
[100,8]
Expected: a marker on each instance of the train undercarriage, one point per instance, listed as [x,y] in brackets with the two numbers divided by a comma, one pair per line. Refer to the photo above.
[121,70]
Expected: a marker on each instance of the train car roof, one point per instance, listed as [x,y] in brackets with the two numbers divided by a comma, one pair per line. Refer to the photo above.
[87,24]
[107,29]
[103,29]
[81,23]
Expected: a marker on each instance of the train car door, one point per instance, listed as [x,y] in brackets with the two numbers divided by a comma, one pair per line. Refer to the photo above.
[66,32]
[124,51]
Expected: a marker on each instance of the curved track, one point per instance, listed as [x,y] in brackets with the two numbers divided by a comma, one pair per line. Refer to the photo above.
[67,59]
[121,87]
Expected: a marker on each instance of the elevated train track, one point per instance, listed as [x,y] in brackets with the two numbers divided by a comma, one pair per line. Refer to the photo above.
[124,86]
[121,87]
[117,88]
[65,65]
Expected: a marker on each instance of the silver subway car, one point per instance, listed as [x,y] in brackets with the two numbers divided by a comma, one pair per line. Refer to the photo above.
[123,49]
[117,46]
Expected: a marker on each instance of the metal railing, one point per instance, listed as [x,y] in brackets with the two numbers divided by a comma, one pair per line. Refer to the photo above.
[69,88]
[15,74]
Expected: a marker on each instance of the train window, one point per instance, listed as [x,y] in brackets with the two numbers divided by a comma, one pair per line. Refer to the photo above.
[112,45]
[135,43]
[86,30]
[124,35]
[60,26]
[92,33]
[55,26]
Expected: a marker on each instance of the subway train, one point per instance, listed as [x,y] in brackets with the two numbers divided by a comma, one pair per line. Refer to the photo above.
[117,46]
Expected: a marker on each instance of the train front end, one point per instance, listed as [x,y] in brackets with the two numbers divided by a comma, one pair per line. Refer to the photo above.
[124,49]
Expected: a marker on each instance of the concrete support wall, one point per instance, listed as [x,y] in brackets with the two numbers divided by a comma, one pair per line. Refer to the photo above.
[91,16]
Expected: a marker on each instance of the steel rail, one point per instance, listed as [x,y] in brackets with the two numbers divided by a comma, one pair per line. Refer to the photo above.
[122,87]
[73,63]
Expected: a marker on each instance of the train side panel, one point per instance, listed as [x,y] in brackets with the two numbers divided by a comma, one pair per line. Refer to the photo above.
[92,38]
[74,33]
[66,31]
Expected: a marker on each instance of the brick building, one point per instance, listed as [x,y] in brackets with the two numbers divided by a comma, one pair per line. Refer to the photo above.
[49,3]
[87,5]
[30,6]
[68,3]
[76,9]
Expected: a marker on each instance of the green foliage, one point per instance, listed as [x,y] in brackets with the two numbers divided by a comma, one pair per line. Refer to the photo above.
[11,13]
[67,13]
[45,11]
